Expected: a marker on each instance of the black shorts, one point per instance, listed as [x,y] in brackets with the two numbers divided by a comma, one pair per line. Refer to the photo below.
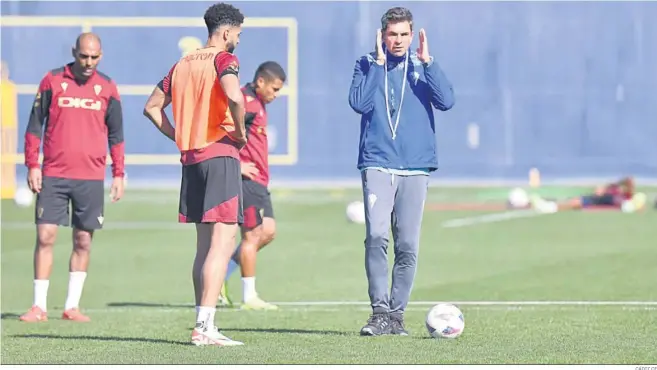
[257,203]
[86,197]
[599,200]
[211,191]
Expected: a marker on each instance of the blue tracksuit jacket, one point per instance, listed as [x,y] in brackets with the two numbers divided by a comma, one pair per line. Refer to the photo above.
[414,146]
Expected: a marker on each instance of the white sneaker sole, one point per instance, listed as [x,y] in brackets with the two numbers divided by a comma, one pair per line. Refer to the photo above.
[204,340]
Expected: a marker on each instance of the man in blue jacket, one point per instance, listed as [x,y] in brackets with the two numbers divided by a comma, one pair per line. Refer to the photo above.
[394,91]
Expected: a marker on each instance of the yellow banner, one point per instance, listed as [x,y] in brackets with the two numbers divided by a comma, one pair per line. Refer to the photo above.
[9,127]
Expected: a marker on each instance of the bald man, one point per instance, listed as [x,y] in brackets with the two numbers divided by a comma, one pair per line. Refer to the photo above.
[77,115]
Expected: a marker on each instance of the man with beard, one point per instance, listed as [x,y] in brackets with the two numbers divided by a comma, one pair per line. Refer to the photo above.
[204,90]
[75,100]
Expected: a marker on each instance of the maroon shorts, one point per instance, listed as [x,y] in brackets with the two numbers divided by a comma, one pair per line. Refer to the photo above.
[211,191]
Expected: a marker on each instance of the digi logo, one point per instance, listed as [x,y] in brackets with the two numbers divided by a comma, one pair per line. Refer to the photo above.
[66,102]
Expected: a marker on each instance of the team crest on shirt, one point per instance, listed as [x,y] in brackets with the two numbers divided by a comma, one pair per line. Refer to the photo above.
[64,86]
[249,98]
[98,89]
[261,130]
[37,99]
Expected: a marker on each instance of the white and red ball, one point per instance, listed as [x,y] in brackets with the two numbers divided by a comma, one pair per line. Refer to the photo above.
[518,198]
[446,321]
[356,212]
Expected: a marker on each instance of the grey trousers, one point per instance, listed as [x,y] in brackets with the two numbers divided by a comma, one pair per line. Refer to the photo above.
[397,202]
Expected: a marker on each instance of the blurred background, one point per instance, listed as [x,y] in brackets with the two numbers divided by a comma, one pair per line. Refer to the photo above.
[569,88]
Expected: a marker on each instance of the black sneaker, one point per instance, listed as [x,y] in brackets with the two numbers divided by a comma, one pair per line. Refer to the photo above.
[377,324]
[397,325]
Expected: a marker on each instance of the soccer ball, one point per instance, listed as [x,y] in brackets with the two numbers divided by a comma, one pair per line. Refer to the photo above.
[627,206]
[635,204]
[356,212]
[445,321]
[518,198]
[23,197]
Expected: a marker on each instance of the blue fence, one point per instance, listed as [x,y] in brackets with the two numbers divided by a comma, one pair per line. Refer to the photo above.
[569,88]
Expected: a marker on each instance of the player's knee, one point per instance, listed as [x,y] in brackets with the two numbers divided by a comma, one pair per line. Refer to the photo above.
[376,239]
[405,254]
[268,233]
[46,236]
[251,238]
[406,245]
[267,237]
[82,240]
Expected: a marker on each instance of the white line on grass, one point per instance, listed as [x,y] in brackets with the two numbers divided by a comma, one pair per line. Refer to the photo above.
[117,225]
[171,225]
[337,306]
[150,310]
[481,303]
[490,218]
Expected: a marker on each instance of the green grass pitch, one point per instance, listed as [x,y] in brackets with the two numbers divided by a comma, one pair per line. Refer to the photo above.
[139,291]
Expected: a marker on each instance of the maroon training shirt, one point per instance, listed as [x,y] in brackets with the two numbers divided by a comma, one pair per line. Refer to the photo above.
[257,147]
[80,120]
[620,194]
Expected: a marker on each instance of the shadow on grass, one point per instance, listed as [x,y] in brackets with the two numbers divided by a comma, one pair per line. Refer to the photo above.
[287,331]
[239,330]
[148,304]
[100,338]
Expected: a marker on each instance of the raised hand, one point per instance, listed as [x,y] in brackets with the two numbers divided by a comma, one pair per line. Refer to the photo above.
[380,55]
[423,50]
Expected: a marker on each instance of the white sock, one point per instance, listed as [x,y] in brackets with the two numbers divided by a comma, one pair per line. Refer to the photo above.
[41,293]
[75,285]
[248,288]
[206,316]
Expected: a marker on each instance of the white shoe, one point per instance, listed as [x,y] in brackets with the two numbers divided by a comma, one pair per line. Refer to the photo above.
[211,337]
[256,303]
[543,206]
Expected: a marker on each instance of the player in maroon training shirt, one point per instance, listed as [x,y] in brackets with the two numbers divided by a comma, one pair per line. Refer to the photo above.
[77,114]
[259,227]
[611,195]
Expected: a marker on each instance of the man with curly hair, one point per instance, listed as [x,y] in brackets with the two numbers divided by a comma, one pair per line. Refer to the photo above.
[204,90]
